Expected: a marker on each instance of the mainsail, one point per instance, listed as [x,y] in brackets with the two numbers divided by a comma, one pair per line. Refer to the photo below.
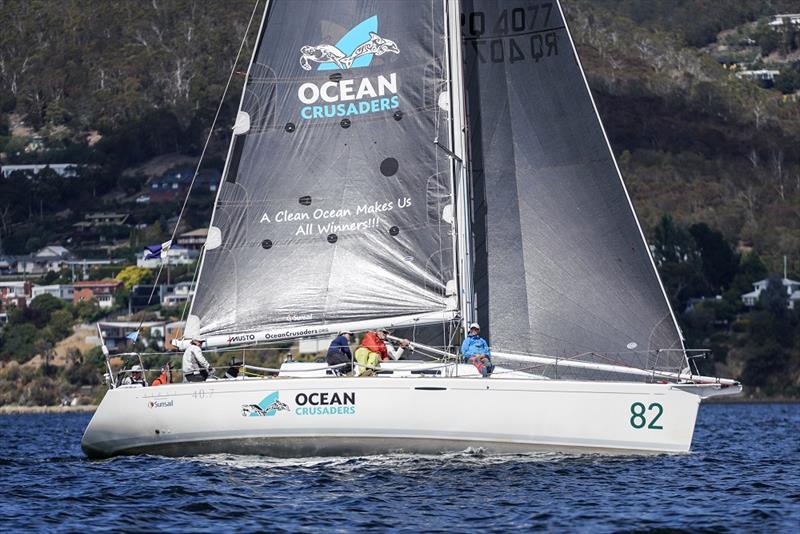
[334,205]
[562,268]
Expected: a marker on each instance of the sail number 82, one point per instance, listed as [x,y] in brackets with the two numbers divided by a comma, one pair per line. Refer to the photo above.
[639,415]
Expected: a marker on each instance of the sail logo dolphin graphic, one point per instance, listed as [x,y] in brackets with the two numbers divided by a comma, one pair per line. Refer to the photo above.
[346,96]
[269,406]
[356,49]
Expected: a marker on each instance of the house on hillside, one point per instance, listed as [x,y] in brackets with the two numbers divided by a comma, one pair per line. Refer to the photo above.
[181,293]
[143,296]
[173,185]
[762,75]
[59,291]
[115,333]
[15,293]
[81,268]
[49,258]
[193,240]
[103,218]
[173,256]
[103,291]
[64,170]
[792,291]
[782,21]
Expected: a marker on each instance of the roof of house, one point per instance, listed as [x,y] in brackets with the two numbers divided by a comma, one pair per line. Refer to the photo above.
[784,281]
[13,284]
[52,251]
[98,283]
[199,232]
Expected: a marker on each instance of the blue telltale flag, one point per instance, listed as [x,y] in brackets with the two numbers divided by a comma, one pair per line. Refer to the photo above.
[133,336]
[152,252]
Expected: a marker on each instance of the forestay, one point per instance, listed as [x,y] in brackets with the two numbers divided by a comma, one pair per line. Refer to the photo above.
[333,201]
[562,268]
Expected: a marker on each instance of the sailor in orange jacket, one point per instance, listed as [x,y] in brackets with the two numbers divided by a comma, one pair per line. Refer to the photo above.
[373,349]
[165,377]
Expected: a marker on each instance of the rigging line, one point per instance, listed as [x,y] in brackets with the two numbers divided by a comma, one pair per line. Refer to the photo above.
[150,298]
[203,153]
[214,122]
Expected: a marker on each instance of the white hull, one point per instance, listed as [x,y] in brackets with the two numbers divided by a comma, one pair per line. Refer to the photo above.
[392,413]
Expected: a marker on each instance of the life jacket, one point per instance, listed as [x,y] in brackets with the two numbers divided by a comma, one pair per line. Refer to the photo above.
[373,343]
[161,380]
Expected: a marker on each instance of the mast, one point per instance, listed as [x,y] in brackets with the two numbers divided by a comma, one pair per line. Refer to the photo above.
[458,163]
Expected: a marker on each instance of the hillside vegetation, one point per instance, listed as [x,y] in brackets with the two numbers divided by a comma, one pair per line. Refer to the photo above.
[712,161]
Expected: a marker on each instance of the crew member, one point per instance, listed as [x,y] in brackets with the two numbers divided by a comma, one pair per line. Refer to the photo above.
[373,350]
[135,378]
[195,367]
[339,353]
[476,351]
[165,377]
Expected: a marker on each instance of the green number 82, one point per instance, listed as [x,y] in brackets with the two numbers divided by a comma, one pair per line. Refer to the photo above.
[638,419]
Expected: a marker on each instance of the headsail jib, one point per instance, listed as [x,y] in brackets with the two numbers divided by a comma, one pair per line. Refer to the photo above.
[333,207]
[561,266]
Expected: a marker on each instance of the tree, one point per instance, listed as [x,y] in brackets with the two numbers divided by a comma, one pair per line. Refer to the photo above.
[60,323]
[718,260]
[43,306]
[133,276]
[751,269]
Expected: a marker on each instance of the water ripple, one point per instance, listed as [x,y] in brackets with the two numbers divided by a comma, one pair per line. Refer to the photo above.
[743,475]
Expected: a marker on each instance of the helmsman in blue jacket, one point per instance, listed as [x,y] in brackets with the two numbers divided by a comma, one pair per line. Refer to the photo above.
[339,353]
[476,351]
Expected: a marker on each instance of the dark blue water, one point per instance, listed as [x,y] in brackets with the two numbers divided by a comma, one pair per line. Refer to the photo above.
[742,476]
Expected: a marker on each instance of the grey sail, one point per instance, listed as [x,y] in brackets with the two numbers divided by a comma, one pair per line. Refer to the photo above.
[562,268]
[333,201]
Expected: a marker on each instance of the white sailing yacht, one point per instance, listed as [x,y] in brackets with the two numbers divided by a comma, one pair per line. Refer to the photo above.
[420,165]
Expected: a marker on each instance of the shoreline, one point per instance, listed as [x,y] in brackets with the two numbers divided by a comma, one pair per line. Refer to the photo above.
[23,410]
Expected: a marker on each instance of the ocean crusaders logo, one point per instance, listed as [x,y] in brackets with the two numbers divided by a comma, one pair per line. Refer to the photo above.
[313,403]
[345,97]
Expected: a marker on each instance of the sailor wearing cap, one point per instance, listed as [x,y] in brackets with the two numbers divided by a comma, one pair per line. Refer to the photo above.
[195,367]
[339,353]
[476,350]
[135,377]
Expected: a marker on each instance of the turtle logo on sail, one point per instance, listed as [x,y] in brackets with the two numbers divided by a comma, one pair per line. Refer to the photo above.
[355,49]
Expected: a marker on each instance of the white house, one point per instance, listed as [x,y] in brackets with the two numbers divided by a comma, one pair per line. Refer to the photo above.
[181,293]
[762,74]
[778,21]
[174,256]
[792,290]
[49,258]
[59,291]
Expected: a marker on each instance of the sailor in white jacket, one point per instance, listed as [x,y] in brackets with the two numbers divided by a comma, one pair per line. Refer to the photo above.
[195,367]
